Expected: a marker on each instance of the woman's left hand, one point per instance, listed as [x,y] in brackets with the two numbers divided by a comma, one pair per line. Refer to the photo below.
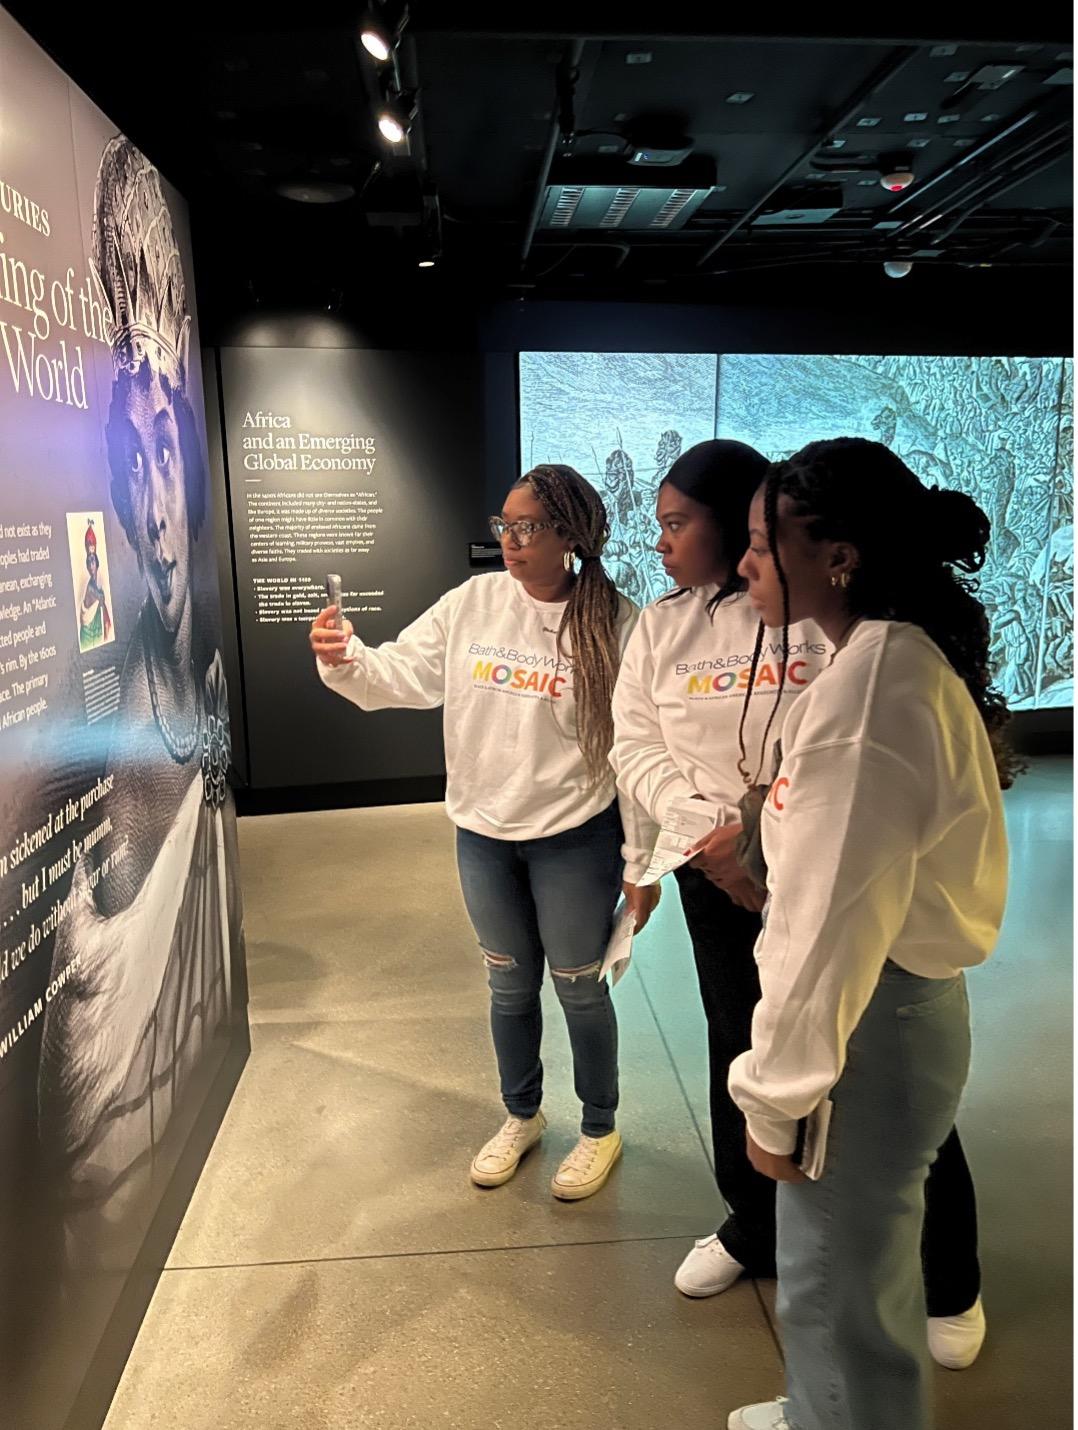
[770,1164]
[643,902]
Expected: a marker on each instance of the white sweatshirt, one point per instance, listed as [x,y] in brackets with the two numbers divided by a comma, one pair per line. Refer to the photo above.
[884,839]
[681,691]
[487,652]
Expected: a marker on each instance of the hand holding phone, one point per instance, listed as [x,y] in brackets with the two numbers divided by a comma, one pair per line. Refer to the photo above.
[330,632]
[333,591]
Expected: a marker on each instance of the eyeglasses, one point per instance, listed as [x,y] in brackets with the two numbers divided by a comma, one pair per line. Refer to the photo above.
[522,532]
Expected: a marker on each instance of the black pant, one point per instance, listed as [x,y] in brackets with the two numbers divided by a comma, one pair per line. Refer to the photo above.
[723,938]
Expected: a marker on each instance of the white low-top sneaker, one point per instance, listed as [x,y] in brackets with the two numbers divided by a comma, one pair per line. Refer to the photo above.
[500,1158]
[769,1416]
[956,1341]
[708,1269]
[587,1167]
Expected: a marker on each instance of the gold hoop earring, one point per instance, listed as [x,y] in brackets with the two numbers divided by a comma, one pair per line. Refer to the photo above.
[843,580]
[567,560]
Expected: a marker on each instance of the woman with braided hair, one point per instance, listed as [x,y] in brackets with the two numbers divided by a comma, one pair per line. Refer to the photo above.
[524,663]
[679,719]
[887,864]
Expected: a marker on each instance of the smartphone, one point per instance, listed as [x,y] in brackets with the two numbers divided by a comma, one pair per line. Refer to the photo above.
[333,592]
[811,1151]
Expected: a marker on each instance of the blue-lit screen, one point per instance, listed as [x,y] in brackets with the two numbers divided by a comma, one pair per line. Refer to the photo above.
[999,428]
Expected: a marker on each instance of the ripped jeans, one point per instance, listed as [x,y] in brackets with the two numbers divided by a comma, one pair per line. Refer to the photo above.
[539,901]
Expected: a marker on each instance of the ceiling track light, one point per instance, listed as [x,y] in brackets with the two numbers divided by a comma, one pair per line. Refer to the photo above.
[379,38]
[396,115]
[376,42]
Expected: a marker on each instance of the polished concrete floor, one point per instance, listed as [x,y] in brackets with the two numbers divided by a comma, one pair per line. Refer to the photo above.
[336,1269]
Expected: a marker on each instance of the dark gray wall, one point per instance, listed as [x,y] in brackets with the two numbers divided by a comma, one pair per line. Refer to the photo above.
[424,413]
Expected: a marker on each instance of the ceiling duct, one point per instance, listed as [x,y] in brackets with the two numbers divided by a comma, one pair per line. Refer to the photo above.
[605,198]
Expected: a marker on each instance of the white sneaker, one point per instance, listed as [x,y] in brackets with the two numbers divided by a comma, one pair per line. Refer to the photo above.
[770,1416]
[956,1341]
[499,1159]
[708,1269]
[587,1167]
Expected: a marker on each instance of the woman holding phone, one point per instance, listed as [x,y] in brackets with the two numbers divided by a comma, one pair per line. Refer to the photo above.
[523,663]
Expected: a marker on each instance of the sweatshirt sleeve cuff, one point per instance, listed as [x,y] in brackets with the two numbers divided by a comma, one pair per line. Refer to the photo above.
[769,1130]
[676,788]
[774,1135]
[635,866]
[334,674]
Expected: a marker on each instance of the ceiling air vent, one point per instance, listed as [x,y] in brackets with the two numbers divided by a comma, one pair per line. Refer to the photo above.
[673,207]
[620,205]
[594,195]
[565,208]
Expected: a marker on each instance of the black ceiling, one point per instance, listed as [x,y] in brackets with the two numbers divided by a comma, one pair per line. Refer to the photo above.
[235,102]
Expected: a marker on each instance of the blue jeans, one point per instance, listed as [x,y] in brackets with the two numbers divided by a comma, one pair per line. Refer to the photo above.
[851,1297]
[538,901]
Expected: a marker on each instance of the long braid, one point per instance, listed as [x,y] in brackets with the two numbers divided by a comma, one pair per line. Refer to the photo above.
[771,522]
[590,621]
[743,756]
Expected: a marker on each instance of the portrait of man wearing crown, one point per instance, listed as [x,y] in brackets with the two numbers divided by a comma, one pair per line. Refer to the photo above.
[154,908]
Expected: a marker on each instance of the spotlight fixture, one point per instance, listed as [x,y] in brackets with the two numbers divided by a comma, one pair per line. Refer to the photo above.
[375,38]
[395,117]
[390,127]
[380,35]
[898,268]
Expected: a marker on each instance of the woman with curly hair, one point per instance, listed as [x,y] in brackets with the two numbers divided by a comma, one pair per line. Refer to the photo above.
[887,865]
[524,663]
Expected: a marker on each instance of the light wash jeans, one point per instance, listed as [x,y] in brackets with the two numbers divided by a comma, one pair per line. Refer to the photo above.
[851,1296]
[539,901]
